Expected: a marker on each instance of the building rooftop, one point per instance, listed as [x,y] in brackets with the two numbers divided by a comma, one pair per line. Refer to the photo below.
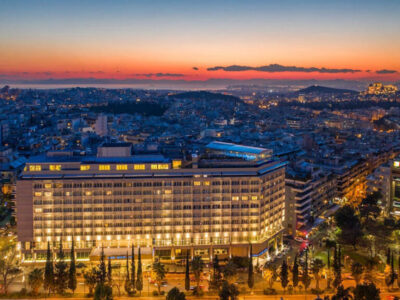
[235,148]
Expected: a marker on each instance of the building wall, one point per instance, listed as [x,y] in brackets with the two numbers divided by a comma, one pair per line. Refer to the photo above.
[164,212]
[25,211]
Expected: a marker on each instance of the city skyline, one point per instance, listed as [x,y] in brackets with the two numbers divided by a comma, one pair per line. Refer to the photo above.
[156,40]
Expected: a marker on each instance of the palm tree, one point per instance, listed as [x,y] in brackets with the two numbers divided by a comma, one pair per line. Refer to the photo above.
[270,275]
[197,269]
[357,271]
[316,269]
[90,277]
[229,271]
[35,280]
[369,275]
[159,271]
[342,294]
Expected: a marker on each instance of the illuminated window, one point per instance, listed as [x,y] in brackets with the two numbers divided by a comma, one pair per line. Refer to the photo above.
[159,167]
[88,193]
[47,186]
[104,168]
[245,198]
[196,183]
[85,167]
[55,167]
[48,194]
[35,168]
[168,192]
[206,183]
[396,164]
[38,210]
[176,164]
[235,198]
[139,167]
[122,167]
[38,194]
[254,197]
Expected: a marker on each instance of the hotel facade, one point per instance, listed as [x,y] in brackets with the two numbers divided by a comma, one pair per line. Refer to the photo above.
[203,206]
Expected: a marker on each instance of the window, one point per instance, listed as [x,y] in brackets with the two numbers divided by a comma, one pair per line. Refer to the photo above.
[104,167]
[85,167]
[176,164]
[196,183]
[122,167]
[139,167]
[55,167]
[159,167]
[34,168]
[38,194]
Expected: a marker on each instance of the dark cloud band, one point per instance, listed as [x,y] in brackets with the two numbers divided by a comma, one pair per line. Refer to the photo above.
[160,75]
[384,71]
[272,68]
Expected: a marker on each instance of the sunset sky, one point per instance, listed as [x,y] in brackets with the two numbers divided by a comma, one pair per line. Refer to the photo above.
[198,40]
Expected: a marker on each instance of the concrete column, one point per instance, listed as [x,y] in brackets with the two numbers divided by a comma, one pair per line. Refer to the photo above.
[173,253]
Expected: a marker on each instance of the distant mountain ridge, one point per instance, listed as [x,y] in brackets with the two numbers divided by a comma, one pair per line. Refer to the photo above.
[318,89]
[204,95]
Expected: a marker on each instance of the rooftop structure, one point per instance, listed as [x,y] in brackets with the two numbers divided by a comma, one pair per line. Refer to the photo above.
[238,151]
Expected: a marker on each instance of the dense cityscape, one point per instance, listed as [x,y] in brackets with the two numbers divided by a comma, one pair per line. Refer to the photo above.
[229,150]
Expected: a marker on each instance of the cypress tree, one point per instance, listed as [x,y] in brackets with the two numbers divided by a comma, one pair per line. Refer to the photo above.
[139,277]
[250,279]
[398,271]
[329,260]
[133,270]
[109,272]
[48,283]
[284,275]
[127,279]
[187,277]
[72,270]
[392,271]
[388,256]
[306,277]
[102,267]
[217,279]
[295,272]
[329,269]
[337,267]
[61,275]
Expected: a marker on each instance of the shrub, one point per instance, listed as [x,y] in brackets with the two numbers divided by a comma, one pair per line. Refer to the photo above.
[317,291]
[290,289]
[198,292]
[269,291]
[23,292]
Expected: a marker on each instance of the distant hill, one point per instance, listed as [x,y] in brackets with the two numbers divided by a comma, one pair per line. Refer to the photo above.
[203,95]
[317,89]
[143,108]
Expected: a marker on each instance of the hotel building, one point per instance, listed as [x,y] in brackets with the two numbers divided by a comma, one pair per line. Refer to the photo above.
[215,203]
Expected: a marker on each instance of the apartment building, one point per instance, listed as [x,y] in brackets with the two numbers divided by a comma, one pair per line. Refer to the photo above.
[166,206]
[309,193]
